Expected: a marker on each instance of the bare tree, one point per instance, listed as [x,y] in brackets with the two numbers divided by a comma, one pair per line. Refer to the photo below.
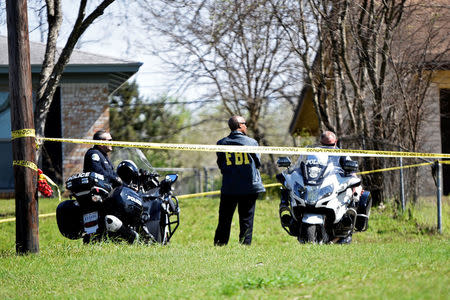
[348,73]
[235,48]
[424,33]
[361,89]
[53,64]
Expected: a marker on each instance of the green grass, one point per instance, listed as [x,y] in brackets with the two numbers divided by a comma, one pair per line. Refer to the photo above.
[399,257]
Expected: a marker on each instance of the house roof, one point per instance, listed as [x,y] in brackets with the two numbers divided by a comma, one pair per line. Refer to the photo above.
[117,70]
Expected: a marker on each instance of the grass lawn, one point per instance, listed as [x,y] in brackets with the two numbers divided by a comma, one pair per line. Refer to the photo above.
[399,257]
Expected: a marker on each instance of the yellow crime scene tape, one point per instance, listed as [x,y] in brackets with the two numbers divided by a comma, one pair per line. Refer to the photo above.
[25,163]
[217,192]
[239,149]
[445,162]
[250,149]
[21,133]
[394,168]
[40,216]
[187,196]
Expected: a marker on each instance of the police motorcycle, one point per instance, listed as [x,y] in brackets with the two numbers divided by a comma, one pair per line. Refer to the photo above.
[321,201]
[143,209]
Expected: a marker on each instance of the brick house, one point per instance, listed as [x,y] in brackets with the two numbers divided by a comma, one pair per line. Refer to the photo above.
[79,108]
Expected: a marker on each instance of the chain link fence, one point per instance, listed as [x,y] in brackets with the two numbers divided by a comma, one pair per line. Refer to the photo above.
[194,180]
[415,188]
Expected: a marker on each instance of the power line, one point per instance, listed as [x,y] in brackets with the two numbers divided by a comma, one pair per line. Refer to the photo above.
[165,103]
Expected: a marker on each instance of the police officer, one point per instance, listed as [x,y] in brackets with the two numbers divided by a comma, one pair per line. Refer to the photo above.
[241,184]
[96,159]
[329,140]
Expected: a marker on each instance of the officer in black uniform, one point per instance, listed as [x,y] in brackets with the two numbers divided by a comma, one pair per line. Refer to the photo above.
[241,184]
[96,159]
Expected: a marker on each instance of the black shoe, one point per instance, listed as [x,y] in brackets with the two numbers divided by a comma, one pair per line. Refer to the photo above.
[346,240]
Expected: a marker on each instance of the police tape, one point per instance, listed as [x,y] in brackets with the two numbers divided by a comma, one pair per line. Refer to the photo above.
[393,168]
[21,133]
[213,193]
[195,195]
[445,162]
[217,192]
[40,216]
[251,149]
[187,196]
[26,164]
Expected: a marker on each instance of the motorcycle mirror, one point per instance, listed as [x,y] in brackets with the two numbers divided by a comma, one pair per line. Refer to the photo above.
[280,178]
[350,166]
[172,177]
[283,161]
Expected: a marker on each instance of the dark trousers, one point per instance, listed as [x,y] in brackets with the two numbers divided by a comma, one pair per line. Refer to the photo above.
[246,210]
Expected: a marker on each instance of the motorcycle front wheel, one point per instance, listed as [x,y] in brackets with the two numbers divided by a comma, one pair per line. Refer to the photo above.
[312,233]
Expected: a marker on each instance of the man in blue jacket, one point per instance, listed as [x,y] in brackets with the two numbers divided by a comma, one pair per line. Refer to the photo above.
[96,159]
[241,184]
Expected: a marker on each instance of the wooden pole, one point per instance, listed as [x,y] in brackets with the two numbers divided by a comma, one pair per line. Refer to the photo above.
[22,127]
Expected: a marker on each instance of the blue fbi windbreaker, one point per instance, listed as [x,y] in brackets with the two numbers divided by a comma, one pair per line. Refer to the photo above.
[239,170]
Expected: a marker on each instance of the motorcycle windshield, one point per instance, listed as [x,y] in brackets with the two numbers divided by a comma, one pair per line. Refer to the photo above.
[134,154]
[315,167]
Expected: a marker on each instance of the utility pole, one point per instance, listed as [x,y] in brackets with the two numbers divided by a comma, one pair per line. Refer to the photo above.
[22,127]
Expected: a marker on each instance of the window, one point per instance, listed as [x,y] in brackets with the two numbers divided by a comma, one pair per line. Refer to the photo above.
[6,176]
[5,117]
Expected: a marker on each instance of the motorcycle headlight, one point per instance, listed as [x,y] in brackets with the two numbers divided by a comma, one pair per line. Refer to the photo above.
[299,190]
[326,191]
[314,172]
[312,193]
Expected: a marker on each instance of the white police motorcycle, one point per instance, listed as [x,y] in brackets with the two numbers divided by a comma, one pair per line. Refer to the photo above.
[321,201]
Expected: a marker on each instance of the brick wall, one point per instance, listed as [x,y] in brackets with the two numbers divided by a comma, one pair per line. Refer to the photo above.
[431,130]
[84,109]
[430,136]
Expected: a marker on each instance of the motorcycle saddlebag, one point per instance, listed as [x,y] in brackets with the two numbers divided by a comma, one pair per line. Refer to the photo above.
[152,215]
[83,183]
[363,211]
[69,219]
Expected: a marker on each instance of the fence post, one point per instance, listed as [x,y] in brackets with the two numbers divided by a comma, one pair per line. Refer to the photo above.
[206,178]
[439,195]
[198,182]
[402,185]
